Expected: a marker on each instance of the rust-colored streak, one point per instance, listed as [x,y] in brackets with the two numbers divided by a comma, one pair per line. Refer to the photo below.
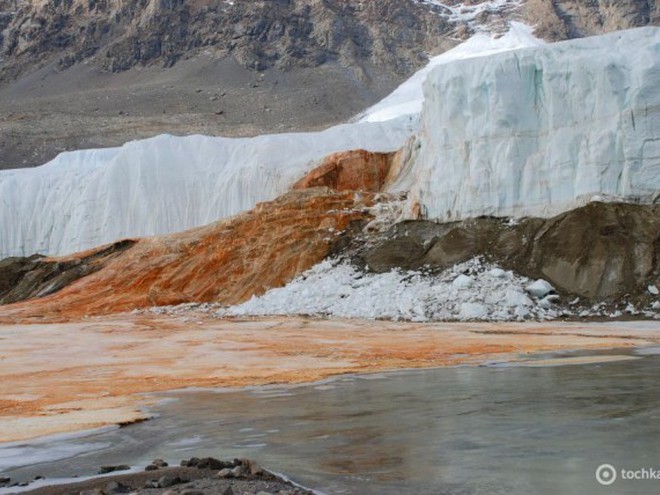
[227,262]
[356,170]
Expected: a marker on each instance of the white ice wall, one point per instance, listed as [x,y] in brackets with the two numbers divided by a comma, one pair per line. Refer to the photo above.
[83,199]
[540,130]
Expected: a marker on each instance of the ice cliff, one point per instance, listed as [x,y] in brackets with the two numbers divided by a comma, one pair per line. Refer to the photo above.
[540,130]
[165,184]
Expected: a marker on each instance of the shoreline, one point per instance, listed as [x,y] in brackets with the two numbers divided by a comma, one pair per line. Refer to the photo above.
[123,363]
[200,475]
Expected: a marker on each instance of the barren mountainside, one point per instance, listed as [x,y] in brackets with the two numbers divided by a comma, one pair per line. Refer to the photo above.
[285,34]
[392,34]
[563,19]
[96,73]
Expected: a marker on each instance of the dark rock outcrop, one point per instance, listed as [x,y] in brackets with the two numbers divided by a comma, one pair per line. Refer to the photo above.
[599,251]
[187,480]
[259,34]
[38,276]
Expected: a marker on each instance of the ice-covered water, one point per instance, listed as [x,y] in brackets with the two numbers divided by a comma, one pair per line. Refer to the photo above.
[468,430]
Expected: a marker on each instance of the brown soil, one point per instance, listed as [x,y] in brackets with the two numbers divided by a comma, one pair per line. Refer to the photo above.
[49,111]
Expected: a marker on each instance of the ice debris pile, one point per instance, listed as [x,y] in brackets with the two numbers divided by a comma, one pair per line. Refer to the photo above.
[473,290]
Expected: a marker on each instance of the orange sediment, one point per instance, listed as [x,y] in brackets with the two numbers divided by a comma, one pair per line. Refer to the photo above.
[228,261]
[64,377]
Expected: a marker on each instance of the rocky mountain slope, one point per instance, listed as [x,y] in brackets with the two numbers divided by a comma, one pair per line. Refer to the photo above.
[85,73]
[259,34]
[119,34]
[562,19]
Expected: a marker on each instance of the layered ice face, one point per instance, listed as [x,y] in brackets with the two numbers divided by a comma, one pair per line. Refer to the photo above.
[542,130]
[408,99]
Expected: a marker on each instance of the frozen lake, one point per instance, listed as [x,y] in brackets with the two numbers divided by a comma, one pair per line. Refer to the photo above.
[497,429]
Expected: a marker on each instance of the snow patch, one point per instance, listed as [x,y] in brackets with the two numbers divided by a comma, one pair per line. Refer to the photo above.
[468,13]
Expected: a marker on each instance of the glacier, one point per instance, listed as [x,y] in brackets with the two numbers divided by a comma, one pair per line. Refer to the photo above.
[87,198]
[538,131]
[509,126]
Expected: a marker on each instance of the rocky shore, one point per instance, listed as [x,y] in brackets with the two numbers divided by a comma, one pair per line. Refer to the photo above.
[195,476]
